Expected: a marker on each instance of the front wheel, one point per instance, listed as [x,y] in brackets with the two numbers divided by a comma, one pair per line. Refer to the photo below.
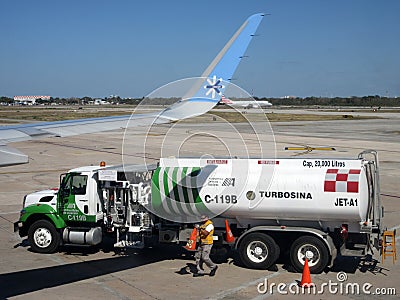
[43,237]
[311,248]
[258,251]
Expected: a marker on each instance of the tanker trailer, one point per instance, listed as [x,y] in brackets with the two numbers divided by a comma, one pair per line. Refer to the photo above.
[313,207]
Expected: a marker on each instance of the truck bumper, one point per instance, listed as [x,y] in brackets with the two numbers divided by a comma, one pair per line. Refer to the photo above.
[16,226]
[19,227]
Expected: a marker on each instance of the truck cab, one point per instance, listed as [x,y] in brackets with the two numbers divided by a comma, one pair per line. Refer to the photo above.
[79,198]
[90,202]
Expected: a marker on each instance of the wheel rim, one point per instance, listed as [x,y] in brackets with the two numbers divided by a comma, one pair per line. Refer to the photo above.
[310,252]
[257,251]
[42,237]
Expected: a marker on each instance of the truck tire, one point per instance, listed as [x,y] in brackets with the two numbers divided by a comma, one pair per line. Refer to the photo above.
[312,248]
[43,237]
[258,251]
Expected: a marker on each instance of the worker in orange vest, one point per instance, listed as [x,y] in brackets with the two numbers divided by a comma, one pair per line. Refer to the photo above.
[206,231]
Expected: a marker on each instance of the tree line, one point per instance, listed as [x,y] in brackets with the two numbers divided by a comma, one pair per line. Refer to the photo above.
[370,101]
[366,101]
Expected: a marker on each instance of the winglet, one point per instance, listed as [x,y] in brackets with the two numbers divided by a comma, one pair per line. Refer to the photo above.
[208,90]
[225,63]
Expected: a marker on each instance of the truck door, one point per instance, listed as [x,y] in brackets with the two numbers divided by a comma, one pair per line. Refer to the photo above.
[73,204]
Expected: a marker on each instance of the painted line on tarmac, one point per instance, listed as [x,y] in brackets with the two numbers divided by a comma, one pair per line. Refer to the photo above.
[392,196]
[10,212]
[229,292]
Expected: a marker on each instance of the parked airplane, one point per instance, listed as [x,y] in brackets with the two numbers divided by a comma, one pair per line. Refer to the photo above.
[203,96]
[245,104]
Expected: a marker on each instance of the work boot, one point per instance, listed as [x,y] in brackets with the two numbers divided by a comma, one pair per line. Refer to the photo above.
[213,271]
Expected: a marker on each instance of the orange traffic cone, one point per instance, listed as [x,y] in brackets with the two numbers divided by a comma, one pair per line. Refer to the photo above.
[229,236]
[306,277]
[191,243]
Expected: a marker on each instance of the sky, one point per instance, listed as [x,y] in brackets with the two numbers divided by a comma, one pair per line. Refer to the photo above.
[129,48]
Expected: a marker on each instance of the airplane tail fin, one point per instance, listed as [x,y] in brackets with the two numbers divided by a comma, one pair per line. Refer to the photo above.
[225,100]
[208,90]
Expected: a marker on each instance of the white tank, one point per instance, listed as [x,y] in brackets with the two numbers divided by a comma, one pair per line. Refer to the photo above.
[320,190]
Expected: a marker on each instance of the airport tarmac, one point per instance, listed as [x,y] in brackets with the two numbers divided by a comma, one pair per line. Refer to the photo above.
[164,272]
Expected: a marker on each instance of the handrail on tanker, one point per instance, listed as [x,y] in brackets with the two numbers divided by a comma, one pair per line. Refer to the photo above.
[378,210]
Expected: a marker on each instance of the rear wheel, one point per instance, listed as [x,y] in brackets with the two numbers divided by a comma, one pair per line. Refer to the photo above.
[311,248]
[43,237]
[258,251]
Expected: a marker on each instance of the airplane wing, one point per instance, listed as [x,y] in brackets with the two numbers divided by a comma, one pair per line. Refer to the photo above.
[201,97]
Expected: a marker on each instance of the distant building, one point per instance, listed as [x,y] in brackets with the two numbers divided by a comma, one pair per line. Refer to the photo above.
[100,102]
[30,99]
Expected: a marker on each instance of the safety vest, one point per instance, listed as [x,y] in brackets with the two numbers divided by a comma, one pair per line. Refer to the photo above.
[208,240]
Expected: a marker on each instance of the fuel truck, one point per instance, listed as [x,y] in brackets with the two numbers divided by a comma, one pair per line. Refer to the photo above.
[308,208]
